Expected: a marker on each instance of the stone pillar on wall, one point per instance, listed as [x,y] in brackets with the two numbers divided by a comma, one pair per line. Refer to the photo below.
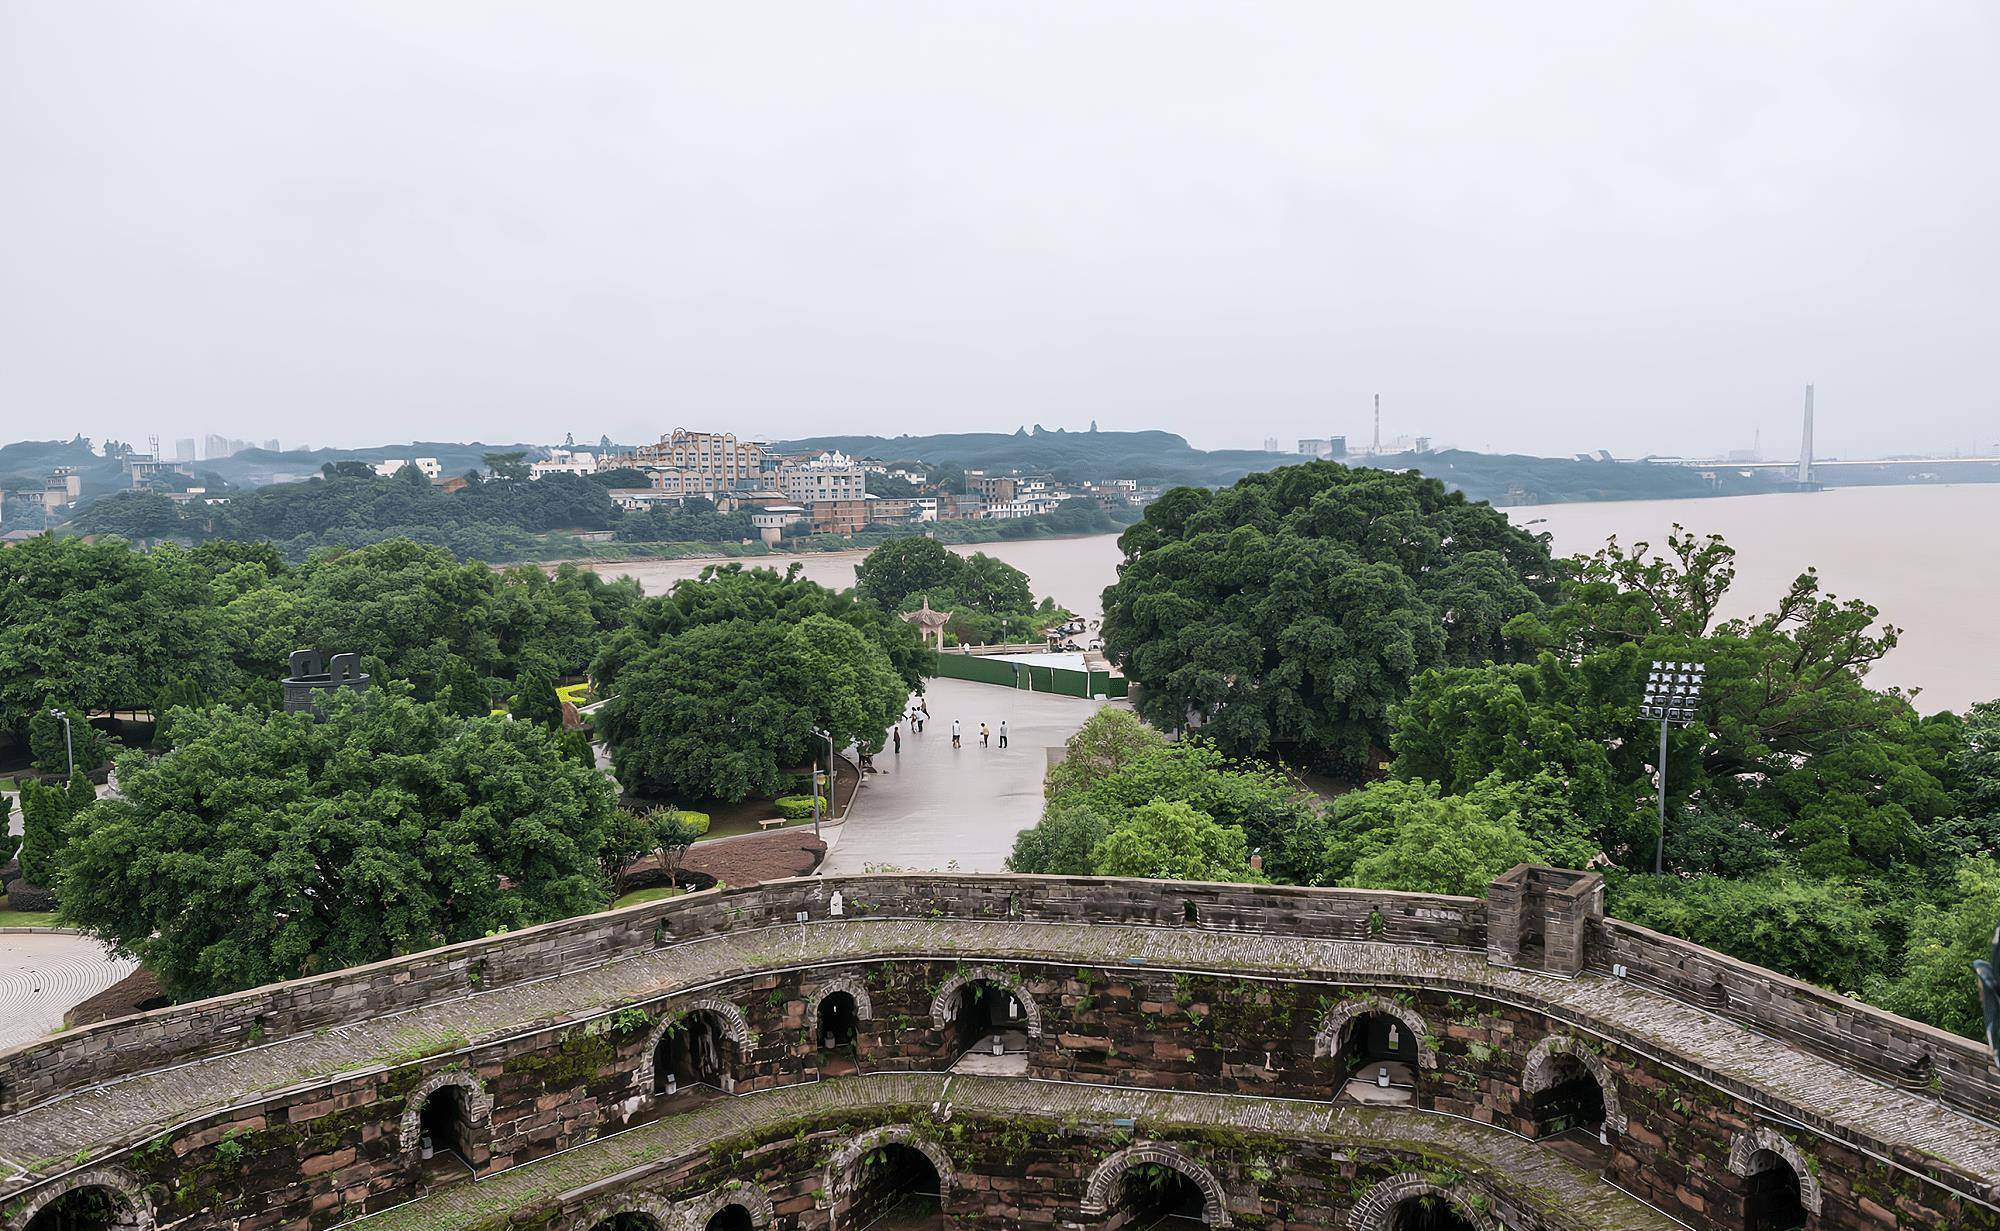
[1540,918]
[1503,916]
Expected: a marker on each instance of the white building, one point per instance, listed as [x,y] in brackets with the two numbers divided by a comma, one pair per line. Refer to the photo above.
[564,461]
[772,519]
[639,499]
[830,476]
[430,466]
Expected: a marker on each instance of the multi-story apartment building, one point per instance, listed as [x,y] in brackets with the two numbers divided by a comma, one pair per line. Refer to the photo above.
[830,476]
[837,516]
[429,466]
[697,463]
[992,488]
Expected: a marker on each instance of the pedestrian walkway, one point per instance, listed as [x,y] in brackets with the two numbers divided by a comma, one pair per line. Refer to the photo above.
[934,807]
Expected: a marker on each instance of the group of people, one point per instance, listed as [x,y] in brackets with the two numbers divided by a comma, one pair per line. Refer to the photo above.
[920,713]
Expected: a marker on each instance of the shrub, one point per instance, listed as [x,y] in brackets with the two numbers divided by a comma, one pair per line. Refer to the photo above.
[798,807]
[697,821]
[24,895]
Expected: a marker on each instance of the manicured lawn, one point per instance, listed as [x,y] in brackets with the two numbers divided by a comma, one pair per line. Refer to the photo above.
[27,919]
[648,895]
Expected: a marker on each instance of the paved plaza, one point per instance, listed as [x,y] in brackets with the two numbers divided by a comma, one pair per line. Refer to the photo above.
[932,806]
[44,974]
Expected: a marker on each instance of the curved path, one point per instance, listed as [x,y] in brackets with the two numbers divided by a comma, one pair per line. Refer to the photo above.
[1536,1176]
[1833,1099]
[44,975]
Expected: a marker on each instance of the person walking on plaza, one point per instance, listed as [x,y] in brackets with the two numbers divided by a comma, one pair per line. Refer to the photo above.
[984,735]
[896,738]
[1003,732]
[954,732]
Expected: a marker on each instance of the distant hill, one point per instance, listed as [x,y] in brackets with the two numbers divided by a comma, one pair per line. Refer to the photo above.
[1150,457]
[1163,457]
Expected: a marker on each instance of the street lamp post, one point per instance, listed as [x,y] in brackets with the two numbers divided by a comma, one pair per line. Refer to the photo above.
[1673,690]
[69,748]
[828,737]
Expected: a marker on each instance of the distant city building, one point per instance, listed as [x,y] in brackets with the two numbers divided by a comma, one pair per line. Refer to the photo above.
[429,467]
[845,516]
[564,461]
[772,520]
[991,488]
[1271,445]
[184,449]
[1332,448]
[214,447]
[696,463]
[827,477]
[61,488]
[271,445]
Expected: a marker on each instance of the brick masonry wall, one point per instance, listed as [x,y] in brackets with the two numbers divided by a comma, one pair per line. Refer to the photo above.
[319,1157]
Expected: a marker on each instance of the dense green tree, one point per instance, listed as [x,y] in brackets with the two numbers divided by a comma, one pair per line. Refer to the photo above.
[134,515]
[269,846]
[1293,609]
[1169,840]
[463,691]
[97,625]
[1063,843]
[9,841]
[53,748]
[1405,835]
[722,710]
[1106,741]
[1809,927]
[1977,772]
[507,465]
[535,699]
[409,607]
[1944,939]
[44,831]
[903,567]
[730,593]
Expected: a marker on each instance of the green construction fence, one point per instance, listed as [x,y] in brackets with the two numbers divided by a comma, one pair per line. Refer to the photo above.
[1028,676]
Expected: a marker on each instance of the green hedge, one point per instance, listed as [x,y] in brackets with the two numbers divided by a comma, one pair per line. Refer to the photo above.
[799,807]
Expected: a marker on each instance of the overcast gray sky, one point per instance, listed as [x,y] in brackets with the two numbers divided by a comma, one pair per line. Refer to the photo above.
[1531,226]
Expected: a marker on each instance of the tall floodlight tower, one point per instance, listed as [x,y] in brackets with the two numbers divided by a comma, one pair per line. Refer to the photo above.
[1375,450]
[1805,443]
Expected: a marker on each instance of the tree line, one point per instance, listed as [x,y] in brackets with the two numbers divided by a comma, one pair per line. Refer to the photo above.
[1484,699]
[246,844]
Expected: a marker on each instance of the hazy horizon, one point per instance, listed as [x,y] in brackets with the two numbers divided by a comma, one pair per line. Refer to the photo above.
[1541,229]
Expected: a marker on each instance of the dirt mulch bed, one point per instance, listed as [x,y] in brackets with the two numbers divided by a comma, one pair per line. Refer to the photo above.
[137,992]
[770,856]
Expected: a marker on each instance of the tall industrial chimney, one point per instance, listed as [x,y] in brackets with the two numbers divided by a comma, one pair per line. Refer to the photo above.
[1805,442]
[1376,449]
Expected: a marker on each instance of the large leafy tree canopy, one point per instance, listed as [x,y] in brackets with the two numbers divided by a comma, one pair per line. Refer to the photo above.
[1816,825]
[95,626]
[1792,742]
[716,687]
[269,846]
[988,599]
[100,626]
[1292,610]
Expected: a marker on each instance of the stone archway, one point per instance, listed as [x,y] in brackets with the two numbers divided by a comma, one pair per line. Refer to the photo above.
[654,1210]
[1541,1073]
[478,1106]
[127,1190]
[1326,1041]
[1103,1186]
[1376,1211]
[1745,1147]
[944,1005]
[694,1214]
[838,1178]
[863,1007]
[735,1028]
